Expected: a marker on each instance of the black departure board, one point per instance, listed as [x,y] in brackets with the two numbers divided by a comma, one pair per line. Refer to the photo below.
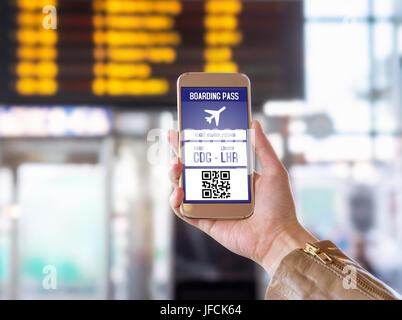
[130,52]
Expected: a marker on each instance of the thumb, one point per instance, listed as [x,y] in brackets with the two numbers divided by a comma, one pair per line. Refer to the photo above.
[265,153]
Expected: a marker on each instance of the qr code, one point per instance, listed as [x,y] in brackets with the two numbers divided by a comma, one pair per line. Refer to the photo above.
[215,184]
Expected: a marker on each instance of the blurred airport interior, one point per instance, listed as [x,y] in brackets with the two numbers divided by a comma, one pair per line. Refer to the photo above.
[84,113]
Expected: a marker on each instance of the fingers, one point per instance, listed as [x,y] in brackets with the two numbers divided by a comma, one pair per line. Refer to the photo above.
[175,172]
[266,155]
[176,198]
[177,166]
[173,138]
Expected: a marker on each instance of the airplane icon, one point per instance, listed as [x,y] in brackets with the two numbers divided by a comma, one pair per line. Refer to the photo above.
[214,115]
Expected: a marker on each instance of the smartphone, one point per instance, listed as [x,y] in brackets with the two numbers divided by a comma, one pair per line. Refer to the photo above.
[214,117]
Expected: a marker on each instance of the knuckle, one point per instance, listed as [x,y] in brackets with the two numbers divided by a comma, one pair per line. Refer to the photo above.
[172,200]
[171,174]
[279,171]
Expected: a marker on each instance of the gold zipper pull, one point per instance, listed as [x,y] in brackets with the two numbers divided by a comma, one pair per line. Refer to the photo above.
[317,252]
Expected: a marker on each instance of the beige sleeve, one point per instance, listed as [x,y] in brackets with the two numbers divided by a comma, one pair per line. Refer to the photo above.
[302,275]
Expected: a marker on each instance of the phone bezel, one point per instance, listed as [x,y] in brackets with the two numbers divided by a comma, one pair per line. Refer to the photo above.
[216,210]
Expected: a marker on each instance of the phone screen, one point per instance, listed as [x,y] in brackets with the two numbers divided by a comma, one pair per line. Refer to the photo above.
[214,142]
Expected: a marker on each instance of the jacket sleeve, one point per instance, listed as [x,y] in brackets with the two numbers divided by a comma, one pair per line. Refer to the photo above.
[322,271]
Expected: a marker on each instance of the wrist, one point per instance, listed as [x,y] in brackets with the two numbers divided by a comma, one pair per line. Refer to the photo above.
[289,239]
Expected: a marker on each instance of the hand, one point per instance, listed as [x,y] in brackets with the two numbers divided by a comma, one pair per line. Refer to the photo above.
[273,230]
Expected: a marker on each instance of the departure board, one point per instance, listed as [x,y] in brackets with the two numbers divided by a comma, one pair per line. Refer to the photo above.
[130,52]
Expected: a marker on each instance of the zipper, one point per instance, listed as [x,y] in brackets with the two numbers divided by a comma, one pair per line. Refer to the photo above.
[318,253]
[324,258]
